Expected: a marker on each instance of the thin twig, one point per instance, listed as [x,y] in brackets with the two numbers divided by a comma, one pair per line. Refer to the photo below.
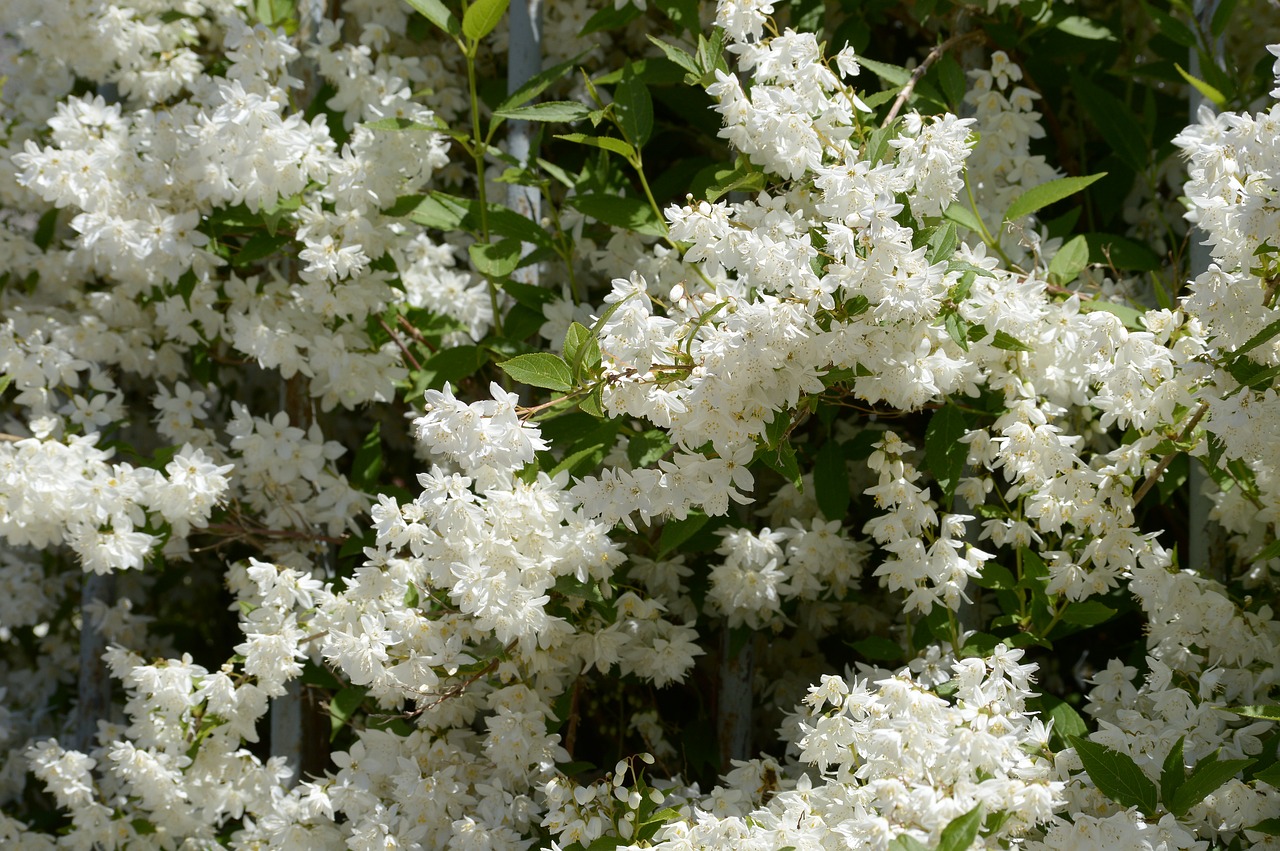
[571,734]
[1155,474]
[922,69]
[460,688]
[404,350]
[415,333]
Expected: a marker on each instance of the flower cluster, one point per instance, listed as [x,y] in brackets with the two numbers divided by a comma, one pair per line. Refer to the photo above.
[891,758]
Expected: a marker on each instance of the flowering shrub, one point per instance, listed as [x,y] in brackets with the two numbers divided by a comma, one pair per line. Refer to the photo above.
[808,435]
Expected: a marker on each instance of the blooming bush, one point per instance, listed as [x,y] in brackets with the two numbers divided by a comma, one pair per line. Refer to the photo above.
[805,425]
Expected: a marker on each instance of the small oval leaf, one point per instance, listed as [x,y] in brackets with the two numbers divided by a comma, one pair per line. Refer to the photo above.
[553,110]
[438,14]
[1116,775]
[482,17]
[539,369]
[1047,193]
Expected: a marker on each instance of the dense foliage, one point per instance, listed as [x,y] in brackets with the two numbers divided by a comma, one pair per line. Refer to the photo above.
[813,425]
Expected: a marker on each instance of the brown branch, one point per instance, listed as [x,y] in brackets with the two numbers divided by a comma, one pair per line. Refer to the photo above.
[404,350]
[571,734]
[415,334]
[934,55]
[460,688]
[1155,474]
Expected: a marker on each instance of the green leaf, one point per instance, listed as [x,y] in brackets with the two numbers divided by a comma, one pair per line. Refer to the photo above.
[529,295]
[879,99]
[831,481]
[960,832]
[1222,17]
[552,110]
[446,212]
[742,177]
[258,247]
[1115,121]
[588,362]
[627,213]
[677,55]
[980,644]
[1081,27]
[577,335]
[46,226]
[1131,318]
[1117,776]
[1170,27]
[1172,772]
[1218,98]
[635,107]
[507,222]
[581,350]
[1253,374]
[607,143]
[647,447]
[1269,826]
[996,577]
[367,465]
[275,13]
[943,242]
[878,147]
[1087,613]
[907,843]
[1066,721]
[343,705]
[556,171]
[1270,551]
[1069,262]
[944,454]
[1269,775]
[783,461]
[1208,775]
[711,56]
[683,13]
[495,259]
[452,365]
[776,430]
[593,402]
[676,532]
[957,329]
[1047,193]
[481,17]
[586,454]
[1270,712]
[438,14]
[1265,335]
[963,216]
[951,79]
[437,210]
[540,369]
[609,17]
[537,84]
[1008,342]
[877,648]
[894,75]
